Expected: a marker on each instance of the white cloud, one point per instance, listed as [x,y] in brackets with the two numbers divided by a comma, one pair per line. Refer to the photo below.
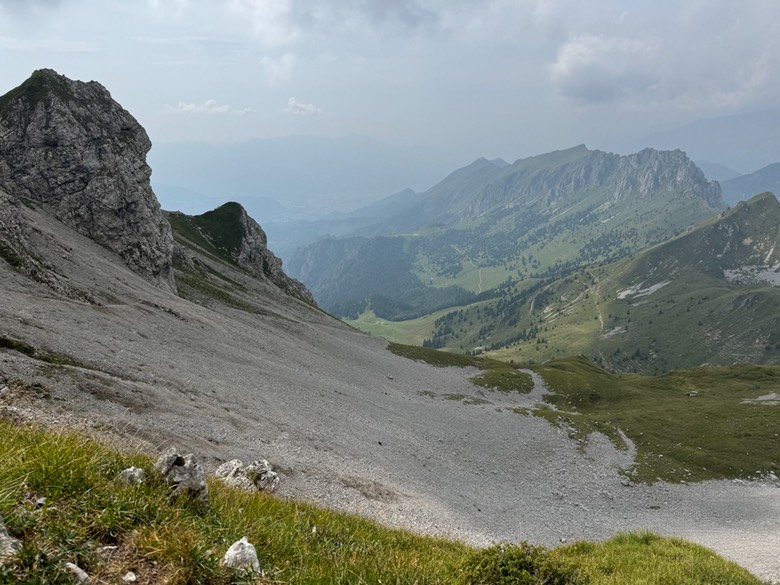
[688,55]
[278,71]
[207,107]
[300,109]
[591,68]
[271,20]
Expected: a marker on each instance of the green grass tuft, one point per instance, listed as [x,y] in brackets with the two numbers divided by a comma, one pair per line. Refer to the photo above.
[643,558]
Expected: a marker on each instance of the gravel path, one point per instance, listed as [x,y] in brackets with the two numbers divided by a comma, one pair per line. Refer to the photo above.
[347,423]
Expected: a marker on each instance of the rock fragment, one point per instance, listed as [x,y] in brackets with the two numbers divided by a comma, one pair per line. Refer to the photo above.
[9,545]
[131,476]
[184,474]
[242,555]
[78,573]
[257,476]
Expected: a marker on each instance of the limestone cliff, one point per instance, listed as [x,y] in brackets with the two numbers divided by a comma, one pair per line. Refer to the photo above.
[69,146]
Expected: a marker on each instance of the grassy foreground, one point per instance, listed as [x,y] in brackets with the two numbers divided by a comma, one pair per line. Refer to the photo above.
[179,541]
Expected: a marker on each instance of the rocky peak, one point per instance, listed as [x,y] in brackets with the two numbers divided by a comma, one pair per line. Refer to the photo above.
[237,236]
[564,177]
[69,146]
[651,170]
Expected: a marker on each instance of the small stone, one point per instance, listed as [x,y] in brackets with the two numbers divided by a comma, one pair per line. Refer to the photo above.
[79,573]
[242,555]
[229,468]
[9,545]
[167,459]
[129,577]
[131,476]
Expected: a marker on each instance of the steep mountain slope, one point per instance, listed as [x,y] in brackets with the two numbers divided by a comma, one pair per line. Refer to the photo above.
[711,295]
[745,186]
[489,225]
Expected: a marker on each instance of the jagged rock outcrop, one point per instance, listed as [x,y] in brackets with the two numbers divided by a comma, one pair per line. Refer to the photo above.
[253,254]
[235,236]
[69,146]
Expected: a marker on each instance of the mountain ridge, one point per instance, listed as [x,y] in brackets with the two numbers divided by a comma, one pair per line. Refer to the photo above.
[486,225]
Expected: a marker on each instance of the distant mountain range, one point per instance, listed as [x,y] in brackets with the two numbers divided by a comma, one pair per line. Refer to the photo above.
[745,186]
[489,226]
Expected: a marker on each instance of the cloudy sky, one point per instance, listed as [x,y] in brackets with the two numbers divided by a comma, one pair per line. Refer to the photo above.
[506,78]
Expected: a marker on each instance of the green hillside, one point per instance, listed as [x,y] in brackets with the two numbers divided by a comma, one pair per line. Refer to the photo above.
[709,296]
[490,230]
[688,425]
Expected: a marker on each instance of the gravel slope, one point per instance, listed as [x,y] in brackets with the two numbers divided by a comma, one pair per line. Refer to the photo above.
[347,423]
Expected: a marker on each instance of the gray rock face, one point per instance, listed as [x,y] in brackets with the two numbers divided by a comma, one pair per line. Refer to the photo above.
[68,145]
[184,474]
[15,248]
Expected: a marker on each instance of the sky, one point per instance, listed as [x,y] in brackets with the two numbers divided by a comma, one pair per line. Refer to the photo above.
[494,78]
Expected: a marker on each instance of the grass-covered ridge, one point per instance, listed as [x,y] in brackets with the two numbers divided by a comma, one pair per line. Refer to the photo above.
[688,425]
[177,541]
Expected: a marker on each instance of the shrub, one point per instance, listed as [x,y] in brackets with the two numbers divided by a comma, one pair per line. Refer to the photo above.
[521,564]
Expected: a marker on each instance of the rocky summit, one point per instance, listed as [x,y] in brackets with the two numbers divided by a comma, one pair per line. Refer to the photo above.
[68,146]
